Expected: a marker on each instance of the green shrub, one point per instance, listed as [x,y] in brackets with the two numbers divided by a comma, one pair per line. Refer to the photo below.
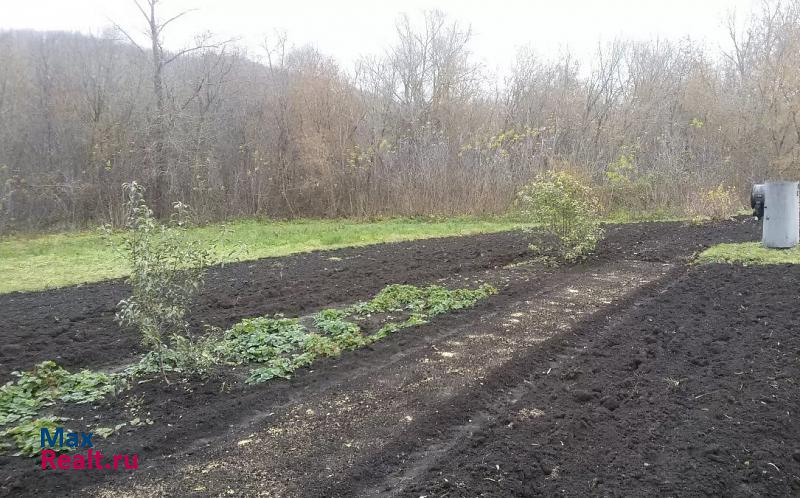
[564,208]
[167,272]
[195,356]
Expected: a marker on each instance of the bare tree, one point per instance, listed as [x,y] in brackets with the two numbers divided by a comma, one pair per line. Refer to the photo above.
[161,118]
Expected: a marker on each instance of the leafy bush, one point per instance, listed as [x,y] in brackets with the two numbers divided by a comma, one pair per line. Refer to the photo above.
[630,194]
[627,190]
[167,272]
[195,356]
[564,208]
[718,203]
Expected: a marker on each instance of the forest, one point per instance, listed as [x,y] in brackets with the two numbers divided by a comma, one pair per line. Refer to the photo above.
[421,130]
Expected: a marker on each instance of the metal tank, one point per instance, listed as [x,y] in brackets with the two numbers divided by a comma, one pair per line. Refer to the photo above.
[781,215]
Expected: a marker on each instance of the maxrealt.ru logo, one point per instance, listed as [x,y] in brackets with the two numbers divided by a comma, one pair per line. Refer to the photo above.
[91,459]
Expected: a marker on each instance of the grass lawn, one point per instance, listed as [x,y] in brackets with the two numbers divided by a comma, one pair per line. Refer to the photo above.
[40,262]
[749,253]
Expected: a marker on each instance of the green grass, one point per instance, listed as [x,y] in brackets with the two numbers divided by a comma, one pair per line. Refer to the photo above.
[45,261]
[749,253]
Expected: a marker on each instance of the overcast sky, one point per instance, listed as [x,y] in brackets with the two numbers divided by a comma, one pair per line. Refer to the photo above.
[347,29]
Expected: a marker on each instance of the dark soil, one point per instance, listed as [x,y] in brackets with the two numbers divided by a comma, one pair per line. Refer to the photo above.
[606,398]
[75,325]
[694,393]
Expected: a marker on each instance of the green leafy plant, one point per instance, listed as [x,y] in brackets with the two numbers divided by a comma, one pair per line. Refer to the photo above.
[386,330]
[191,356]
[279,368]
[276,346]
[428,301]
[421,302]
[321,346]
[396,297]
[567,210]
[440,300]
[45,385]
[48,383]
[392,327]
[260,340]
[281,345]
[345,334]
[25,437]
[195,356]
[167,272]
[275,368]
